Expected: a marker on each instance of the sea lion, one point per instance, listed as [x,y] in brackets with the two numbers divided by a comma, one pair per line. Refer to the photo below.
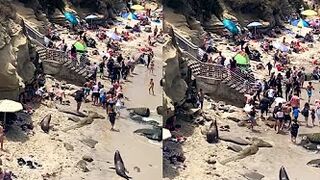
[251,150]
[153,134]
[45,123]
[314,163]
[283,174]
[119,166]
[236,140]
[212,134]
[144,112]
[313,137]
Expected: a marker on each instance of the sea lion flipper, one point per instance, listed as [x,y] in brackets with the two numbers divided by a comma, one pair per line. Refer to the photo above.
[112,168]
[126,170]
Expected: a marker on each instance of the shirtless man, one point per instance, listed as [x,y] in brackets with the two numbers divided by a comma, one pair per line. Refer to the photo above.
[1,137]
[151,86]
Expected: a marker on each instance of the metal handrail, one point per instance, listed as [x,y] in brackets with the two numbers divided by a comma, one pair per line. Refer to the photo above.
[219,71]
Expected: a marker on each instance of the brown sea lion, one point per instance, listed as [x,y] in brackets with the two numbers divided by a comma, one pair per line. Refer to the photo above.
[45,123]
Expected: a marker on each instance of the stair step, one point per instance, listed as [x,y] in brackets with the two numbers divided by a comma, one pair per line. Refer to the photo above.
[73,68]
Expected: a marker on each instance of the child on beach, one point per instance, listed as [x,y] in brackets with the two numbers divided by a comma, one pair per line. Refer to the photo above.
[252,117]
[294,130]
[151,87]
[295,113]
[309,91]
[151,67]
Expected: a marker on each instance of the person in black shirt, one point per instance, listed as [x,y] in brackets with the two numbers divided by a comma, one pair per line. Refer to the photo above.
[264,105]
[101,66]
[269,66]
[79,96]
[294,130]
[112,118]
[119,58]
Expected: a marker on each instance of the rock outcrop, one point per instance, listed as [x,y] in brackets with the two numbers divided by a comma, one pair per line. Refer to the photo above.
[174,84]
[15,65]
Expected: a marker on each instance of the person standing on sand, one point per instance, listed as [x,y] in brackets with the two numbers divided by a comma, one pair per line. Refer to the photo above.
[1,137]
[305,112]
[252,117]
[201,98]
[309,91]
[79,96]
[151,67]
[151,86]
[294,130]
[112,118]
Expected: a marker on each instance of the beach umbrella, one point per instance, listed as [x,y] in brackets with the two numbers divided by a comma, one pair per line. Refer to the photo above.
[91,16]
[80,46]
[10,106]
[281,47]
[254,24]
[300,23]
[71,18]
[309,12]
[166,134]
[131,16]
[137,7]
[241,59]
[231,26]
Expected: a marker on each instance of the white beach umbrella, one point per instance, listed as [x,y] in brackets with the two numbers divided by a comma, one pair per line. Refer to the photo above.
[254,24]
[91,16]
[7,105]
[166,134]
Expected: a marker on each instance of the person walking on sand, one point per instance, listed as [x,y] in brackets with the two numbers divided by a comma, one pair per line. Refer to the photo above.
[1,137]
[151,67]
[112,118]
[79,96]
[309,90]
[305,112]
[252,117]
[294,130]
[313,115]
[201,98]
[151,87]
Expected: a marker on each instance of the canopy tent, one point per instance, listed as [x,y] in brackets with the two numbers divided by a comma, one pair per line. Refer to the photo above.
[309,12]
[71,18]
[10,106]
[231,26]
[137,7]
[281,46]
[81,47]
[242,59]
[300,23]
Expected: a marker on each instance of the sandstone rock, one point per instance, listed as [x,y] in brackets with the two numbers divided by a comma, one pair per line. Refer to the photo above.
[211,160]
[87,158]
[234,147]
[253,176]
[82,165]
[89,142]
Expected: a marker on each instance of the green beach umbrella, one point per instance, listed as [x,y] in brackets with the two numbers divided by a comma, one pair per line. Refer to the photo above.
[80,46]
[241,59]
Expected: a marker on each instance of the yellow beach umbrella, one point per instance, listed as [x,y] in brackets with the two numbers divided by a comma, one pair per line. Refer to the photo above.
[309,12]
[137,7]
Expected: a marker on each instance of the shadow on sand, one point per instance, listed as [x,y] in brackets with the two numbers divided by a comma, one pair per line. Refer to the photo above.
[187,129]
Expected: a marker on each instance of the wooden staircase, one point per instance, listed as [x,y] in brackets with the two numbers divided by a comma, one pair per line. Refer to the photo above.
[48,54]
[240,81]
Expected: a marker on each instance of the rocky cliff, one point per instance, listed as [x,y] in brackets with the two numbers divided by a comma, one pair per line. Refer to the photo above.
[15,65]
[175,73]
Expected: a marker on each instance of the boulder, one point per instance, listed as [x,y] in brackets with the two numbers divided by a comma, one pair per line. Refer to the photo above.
[82,165]
[142,111]
[87,158]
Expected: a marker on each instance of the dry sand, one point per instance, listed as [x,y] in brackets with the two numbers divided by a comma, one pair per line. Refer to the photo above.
[136,151]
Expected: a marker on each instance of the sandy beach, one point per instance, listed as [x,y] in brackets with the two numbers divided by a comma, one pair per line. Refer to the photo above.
[59,152]
[203,159]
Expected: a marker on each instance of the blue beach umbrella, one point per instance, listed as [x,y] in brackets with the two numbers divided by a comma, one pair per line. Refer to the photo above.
[231,26]
[131,16]
[71,18]
[300,23]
